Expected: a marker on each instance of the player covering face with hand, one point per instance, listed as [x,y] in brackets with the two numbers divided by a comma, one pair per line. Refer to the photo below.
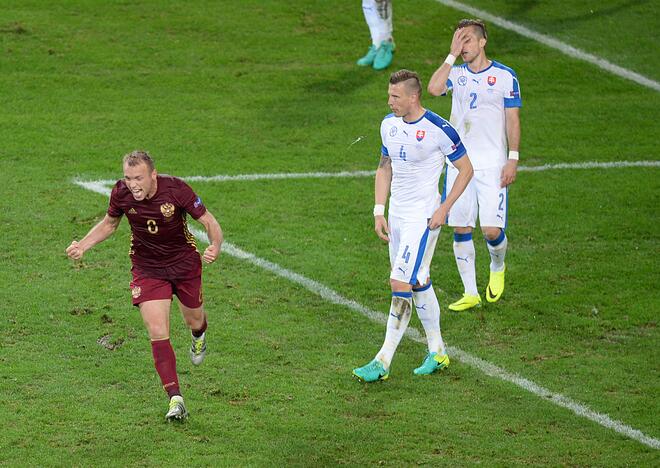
[164,259]
[486,112]
[415,144]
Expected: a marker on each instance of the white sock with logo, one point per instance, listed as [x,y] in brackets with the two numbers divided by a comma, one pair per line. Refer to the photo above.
[428,311]
[465,258]
[397,322]
[497,249]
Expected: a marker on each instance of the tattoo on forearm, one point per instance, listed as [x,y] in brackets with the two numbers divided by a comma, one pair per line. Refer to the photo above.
[385,162]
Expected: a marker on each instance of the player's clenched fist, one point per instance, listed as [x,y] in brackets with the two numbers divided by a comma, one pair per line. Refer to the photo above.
[74,251]
[211,254]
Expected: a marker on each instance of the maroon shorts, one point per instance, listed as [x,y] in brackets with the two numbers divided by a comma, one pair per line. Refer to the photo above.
[145,287]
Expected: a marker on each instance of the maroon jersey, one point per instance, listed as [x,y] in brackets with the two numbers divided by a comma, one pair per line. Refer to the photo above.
[161,245]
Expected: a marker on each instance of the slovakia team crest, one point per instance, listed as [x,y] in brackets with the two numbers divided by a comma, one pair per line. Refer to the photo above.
[420,135]
[492,80]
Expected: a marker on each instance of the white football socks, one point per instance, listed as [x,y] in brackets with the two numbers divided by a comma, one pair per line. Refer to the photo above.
[497,249]
[378,15]
[465,257]
[428,311]
[397,322]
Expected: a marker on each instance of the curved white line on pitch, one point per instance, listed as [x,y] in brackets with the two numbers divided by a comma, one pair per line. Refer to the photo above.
[555,44]
[486,367]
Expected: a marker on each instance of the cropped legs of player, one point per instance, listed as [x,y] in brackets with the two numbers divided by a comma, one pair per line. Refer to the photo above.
[378,15]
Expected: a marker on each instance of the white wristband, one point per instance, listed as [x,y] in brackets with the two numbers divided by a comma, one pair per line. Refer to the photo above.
[450,60]
[513,155]
[379,210]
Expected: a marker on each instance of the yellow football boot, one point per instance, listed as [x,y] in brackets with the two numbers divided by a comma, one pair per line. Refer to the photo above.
[495,286]
[466,302]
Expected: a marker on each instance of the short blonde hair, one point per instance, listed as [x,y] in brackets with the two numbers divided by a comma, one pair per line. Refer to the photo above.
[137,157]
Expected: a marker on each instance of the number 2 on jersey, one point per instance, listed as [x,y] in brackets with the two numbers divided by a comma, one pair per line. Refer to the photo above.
[473,102]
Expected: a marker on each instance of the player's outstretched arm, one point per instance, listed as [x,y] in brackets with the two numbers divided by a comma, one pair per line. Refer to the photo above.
[438,81]
[382,191]
[214,231]
[510,169]
[98,233]
[465,172]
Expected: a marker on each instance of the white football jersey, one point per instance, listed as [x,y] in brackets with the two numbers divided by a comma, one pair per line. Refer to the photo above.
[477,110]
[417,151]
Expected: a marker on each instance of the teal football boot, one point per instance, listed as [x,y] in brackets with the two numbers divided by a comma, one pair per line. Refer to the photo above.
[368,60]
[432,362]
[372,372]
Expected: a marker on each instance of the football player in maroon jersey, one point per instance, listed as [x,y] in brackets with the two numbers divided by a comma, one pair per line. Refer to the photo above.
[164,259]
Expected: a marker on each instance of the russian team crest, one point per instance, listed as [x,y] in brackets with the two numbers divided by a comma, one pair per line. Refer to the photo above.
[420,135]
[167,209]
[492,80]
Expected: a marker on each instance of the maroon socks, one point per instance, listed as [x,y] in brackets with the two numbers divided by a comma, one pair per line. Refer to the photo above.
[165,362]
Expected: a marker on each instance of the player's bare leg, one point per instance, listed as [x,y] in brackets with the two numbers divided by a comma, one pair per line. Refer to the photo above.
[195,318]
[497,244]
[465,262]
[156,318]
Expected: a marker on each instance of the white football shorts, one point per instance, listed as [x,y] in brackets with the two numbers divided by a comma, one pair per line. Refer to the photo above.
[412,245]
[482,196]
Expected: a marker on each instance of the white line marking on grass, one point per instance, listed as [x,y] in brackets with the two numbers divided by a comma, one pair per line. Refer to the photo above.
[98,186]
[555,44]
[486,367]
[348,174]
[590,165]
[293,175]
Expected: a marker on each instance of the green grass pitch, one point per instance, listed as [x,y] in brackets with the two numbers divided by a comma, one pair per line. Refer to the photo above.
[266,86]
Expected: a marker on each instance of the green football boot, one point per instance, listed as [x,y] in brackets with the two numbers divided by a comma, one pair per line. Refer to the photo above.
[372,372]
[432,362]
